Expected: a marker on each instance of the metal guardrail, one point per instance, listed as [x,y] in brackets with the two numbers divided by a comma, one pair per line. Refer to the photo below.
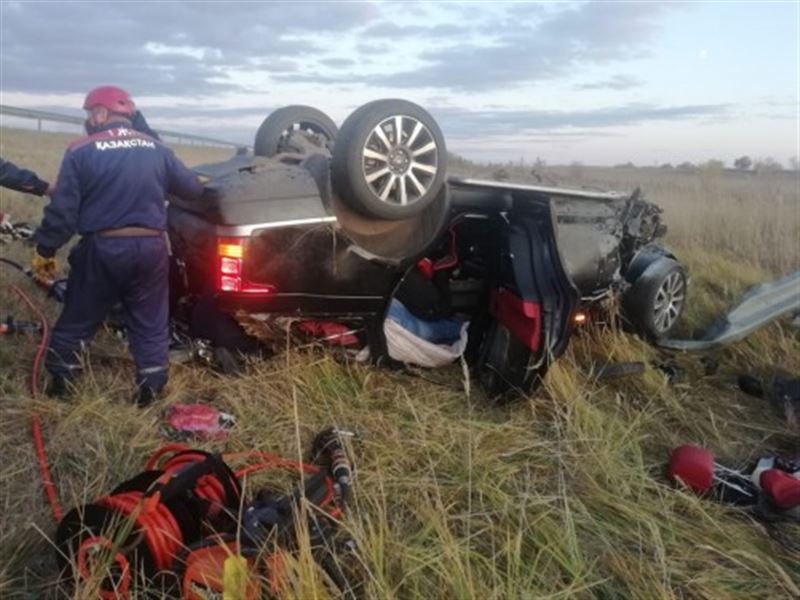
[40,116]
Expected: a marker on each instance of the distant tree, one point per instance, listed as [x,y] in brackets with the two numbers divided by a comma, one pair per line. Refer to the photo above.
[713,165]
[627,165]
[539,163]
[686,166]
[743,163]
[794,163]
[767,165]
[667,166]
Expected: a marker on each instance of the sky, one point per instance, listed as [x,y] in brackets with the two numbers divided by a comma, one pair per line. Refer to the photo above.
[593,82]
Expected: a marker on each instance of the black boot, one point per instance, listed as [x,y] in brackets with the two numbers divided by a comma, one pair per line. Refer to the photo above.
[58,388]
[145,396]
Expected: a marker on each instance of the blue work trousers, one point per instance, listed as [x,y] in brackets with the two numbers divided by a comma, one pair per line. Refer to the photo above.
[104,271]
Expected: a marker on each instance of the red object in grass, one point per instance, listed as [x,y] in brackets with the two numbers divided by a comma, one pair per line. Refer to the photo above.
[336,334]
[183,421]
[694,466]
[782,488]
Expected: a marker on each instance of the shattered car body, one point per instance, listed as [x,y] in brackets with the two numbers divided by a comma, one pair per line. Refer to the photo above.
[327,226]
[600,233]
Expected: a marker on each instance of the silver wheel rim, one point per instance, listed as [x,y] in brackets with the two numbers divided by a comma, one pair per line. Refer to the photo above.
[400,160]
[669,301]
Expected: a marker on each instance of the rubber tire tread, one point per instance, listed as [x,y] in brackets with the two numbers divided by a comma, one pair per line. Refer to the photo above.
[272,128]
[639,300]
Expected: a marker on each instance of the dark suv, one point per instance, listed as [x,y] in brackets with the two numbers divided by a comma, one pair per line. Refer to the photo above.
[323,225]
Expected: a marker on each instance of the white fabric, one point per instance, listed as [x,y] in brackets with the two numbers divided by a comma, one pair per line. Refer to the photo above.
[408,348]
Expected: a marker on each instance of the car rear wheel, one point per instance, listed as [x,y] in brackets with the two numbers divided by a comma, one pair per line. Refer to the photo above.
[390,160]
[656,301]
[275,133]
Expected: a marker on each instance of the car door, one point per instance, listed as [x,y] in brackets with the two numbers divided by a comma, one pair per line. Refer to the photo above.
[532,299]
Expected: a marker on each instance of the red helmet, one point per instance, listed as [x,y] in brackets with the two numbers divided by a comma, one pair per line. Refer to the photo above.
[113,98]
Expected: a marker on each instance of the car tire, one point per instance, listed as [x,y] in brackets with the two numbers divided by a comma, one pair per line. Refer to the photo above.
[655,302]
[381,174]
[272,135]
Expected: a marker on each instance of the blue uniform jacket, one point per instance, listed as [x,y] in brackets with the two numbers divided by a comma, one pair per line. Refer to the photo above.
[117,177]
[22,180]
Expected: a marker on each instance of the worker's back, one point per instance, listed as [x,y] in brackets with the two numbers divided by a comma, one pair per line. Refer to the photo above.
[119,177]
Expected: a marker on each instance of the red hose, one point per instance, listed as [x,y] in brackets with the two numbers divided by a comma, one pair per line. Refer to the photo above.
[36,424]
[160,529]
[152,462]
[40,352]
[44,469]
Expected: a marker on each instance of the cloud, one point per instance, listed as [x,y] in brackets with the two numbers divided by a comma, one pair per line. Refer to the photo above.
[170,48]
[465,123]
[617,82]
[209,48]
[391,31]
[337,62]
[536,45]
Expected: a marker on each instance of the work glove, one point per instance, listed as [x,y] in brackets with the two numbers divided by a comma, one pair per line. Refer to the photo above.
[43,267]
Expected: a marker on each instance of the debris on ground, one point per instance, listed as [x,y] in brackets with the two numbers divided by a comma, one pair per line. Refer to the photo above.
[615,370]
[199,421]
[781,391]
[671,371]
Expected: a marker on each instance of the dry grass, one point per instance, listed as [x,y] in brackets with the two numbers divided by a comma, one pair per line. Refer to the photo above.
[559,495]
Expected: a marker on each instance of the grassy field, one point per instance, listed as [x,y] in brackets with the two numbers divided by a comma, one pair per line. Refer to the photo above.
[559,495]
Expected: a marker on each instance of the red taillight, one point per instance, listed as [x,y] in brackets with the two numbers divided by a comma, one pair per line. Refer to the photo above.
[230,266]
[230,260]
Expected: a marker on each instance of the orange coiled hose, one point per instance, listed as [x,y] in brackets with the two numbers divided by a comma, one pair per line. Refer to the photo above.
[158,525]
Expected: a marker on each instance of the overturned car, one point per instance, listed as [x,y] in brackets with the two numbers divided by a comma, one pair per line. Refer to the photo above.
[331,230]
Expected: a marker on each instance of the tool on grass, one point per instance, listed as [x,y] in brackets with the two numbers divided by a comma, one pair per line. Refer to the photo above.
[11,325]
[10,231]
[771,486]
[56,288]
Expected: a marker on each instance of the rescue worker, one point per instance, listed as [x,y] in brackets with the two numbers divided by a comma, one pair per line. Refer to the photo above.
[111,190]
[22,180]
